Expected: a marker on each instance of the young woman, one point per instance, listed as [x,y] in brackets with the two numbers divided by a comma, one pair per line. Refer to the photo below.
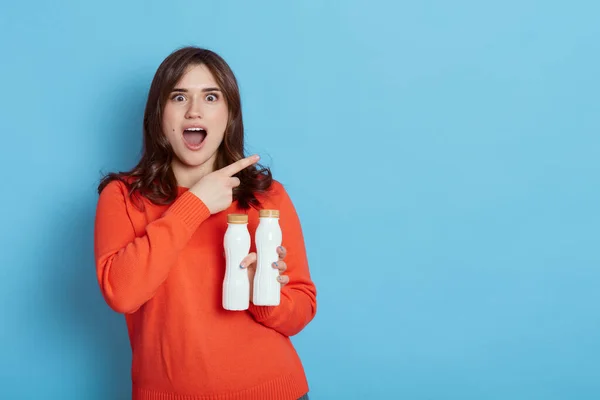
[159,247]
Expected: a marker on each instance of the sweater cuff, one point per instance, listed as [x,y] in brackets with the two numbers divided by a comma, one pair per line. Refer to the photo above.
[190,209]
[261,313]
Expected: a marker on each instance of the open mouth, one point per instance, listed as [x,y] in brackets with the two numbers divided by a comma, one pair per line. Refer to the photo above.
[194,137]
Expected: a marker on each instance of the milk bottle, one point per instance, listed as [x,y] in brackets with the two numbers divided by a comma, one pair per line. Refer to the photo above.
[266,289]
[236,286]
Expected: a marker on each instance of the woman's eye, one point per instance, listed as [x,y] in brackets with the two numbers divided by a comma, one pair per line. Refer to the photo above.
[211,97]
[179,97]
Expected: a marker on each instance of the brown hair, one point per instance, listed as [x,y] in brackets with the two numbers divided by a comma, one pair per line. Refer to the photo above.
[153,176]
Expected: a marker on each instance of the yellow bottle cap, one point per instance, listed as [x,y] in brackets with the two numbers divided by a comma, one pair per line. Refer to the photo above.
[237,218]
[269,213]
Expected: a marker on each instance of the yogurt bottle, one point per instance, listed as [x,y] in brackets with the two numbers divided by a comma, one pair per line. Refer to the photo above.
[236,285]
[267,289]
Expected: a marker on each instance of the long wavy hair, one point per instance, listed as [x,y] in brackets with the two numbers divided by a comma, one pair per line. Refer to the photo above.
[153,177]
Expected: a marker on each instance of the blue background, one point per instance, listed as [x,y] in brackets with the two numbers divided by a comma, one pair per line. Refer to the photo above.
[443,157]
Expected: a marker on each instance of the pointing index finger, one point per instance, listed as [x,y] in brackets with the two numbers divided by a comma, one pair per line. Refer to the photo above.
[239,165]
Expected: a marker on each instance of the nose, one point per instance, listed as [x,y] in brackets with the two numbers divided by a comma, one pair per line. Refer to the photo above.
[194,109]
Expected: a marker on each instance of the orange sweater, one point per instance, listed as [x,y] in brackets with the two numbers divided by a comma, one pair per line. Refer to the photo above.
[163,267]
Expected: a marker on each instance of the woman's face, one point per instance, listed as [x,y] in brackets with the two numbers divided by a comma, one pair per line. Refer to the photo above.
[195,117]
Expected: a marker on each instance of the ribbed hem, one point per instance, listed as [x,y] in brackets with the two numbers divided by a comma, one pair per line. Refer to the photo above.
[285,388]
[261,313]
[190,209]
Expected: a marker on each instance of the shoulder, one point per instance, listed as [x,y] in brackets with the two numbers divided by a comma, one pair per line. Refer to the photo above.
[277,187]
[114,187]
[115,194]
[276,196]
[275,190]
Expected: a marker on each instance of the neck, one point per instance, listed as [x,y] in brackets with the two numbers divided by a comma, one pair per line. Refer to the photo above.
[187,176]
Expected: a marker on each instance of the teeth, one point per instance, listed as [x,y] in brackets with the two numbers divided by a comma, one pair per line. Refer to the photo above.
[194,129]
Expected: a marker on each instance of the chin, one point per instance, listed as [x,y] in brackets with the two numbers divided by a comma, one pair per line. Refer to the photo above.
[196,159]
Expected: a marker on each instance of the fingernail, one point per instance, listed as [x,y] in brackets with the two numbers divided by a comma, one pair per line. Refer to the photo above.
[279,278]
[241,266]
[275,264]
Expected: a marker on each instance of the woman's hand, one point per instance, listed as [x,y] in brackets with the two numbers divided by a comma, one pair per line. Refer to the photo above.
[249,262]
[216,188]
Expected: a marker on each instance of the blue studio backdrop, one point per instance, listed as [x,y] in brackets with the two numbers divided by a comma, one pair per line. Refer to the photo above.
[443,158]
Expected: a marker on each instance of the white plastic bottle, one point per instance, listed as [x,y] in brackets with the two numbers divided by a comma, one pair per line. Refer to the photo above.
[236,285]
[267,289]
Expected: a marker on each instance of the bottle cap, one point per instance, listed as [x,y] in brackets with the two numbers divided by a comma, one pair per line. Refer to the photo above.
[269,213]
[237,219]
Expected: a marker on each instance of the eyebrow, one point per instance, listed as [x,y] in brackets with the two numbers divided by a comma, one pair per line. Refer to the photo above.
[209,89]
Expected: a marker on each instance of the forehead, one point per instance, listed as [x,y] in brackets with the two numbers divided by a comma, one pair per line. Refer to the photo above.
[197,76]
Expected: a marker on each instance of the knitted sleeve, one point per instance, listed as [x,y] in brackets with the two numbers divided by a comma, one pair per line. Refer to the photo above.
[298,304]
[129,267]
